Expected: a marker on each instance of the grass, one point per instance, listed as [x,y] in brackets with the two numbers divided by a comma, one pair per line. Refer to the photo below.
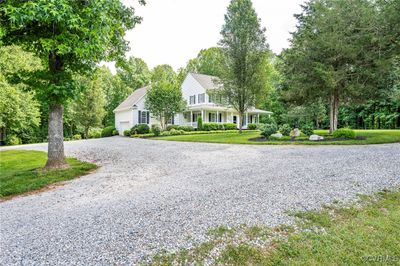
[371,137]
[364,233]
[21,172]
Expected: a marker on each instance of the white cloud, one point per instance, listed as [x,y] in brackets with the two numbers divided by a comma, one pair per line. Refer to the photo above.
[174,31]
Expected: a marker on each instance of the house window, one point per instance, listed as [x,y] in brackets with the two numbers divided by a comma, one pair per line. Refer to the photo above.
[192,99]
[201,98]
[171,120]
[144,117]
[211,98]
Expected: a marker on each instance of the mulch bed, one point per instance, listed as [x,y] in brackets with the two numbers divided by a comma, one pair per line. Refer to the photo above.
[263,139]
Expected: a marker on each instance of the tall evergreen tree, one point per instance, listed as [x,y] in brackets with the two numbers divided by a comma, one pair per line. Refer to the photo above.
[337,54]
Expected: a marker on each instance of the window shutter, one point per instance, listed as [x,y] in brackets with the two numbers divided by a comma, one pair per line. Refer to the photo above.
[140,117]
[209,117]
[148,117]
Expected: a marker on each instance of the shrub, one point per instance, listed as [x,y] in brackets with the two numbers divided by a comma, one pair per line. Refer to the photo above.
[12,140]
[107,131]
[169,127]
[268,129]
[174,132]
[140,129]
[156,129]
[115,132]
[127,133]
[230,126]
[266,119]
[77,137]
[307,129]
[185,128]
[94,133]
[199,123]
[252,126]
[210,126]
[344,133]
[285,129]
[221,127]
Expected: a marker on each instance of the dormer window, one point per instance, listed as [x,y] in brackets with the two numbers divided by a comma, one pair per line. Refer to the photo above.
[192,99]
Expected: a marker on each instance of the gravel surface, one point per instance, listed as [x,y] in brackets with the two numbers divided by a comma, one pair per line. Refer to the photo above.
[150,195]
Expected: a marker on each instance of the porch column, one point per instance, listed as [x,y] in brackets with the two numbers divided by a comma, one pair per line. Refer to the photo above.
[231,118]
[191,118]
[217,116]
[202,115]
[258,118]
[247,119]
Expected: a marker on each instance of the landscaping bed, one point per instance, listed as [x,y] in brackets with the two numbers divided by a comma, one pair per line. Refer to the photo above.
[305,139]
[253,137]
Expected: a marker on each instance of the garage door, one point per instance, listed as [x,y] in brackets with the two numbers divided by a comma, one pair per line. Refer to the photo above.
[123,126]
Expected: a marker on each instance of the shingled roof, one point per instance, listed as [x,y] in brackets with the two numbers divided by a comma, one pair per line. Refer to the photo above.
[132,99]
[206,81]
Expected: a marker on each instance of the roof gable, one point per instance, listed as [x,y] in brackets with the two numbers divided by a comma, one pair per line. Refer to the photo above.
[132,99]
[206,81]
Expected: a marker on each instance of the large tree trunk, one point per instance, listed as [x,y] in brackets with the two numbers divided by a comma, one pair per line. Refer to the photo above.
[55,156]
[241,116]
[56,159]
[334,112]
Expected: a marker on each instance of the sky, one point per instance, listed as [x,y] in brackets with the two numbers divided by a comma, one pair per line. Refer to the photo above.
[174,31]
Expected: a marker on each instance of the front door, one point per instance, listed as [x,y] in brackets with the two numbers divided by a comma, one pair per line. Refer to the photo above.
[235,119]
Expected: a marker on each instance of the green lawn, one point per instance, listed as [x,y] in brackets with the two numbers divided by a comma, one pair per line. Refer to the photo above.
[336,235]
[372,137]
[21,171]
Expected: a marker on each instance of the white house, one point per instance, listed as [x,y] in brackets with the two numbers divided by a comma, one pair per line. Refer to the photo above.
[132,111]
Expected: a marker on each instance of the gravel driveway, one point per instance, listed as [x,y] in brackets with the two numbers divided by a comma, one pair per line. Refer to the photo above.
[151,195]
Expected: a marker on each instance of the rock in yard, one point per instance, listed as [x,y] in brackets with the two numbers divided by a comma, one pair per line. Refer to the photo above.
[316,137]
[295,133]
[277,135]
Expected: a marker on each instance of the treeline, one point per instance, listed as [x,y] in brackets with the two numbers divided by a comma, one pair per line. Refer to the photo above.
[342,70]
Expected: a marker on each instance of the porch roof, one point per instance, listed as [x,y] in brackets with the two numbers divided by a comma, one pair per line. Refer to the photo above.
[213,107]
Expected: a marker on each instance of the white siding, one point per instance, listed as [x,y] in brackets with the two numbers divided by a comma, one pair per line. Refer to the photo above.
[123,118]
[191,87]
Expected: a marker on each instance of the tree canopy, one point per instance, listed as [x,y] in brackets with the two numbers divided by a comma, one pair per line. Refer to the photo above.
[337,54]
[164,97]
[244,48]
[69,37]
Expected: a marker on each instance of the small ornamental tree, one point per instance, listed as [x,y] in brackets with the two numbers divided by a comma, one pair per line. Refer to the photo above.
[69,37]
[164,98]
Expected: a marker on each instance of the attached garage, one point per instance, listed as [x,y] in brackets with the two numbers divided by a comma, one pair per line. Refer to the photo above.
[123,126]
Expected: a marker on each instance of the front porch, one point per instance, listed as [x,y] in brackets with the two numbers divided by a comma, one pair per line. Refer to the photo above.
[221,115]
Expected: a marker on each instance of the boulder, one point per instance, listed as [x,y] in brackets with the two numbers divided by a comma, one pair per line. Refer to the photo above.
[316,138]
[295,133]
[277,135]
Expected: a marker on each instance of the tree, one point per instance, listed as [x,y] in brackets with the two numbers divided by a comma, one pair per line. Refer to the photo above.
[338,54]
[69,37]
[164,97]
[209,62]
[19,112]
[133,72]
[244,47]
[88,109]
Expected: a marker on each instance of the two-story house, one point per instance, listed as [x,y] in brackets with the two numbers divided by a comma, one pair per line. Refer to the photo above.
[196,90]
